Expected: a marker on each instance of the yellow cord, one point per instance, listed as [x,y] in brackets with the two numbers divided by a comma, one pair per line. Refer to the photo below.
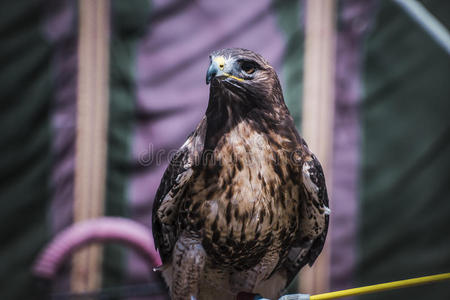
[381,287]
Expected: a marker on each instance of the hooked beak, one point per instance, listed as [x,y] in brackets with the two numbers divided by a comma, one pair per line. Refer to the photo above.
[212,71]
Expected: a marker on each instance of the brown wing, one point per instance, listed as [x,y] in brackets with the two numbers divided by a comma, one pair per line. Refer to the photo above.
[170,191]
[314,218]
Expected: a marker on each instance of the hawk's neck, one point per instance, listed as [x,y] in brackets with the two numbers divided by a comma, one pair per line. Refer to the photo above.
[227,109]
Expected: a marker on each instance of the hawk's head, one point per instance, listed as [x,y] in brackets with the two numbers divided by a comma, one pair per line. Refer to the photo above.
[243,78]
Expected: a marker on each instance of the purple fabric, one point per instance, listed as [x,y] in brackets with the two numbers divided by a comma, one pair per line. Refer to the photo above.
[171,90]
[172,95]
[355,17]
[60,28]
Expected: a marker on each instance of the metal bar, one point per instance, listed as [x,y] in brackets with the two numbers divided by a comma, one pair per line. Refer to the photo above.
[427,21]
[120,292]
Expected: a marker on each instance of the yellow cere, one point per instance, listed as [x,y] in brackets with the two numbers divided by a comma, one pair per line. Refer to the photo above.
[220,61]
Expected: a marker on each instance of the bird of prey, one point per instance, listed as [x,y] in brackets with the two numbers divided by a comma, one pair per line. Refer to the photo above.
[243,205]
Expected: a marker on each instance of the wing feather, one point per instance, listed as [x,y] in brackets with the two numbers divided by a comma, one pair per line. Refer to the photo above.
[314,217]
[170,191]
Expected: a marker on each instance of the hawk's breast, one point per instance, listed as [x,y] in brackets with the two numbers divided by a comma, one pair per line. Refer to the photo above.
[243,201]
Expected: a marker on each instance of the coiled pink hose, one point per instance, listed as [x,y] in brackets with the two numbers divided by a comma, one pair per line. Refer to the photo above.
[105,229]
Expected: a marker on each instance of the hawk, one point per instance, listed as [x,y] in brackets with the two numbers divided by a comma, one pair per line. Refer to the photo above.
[243,204]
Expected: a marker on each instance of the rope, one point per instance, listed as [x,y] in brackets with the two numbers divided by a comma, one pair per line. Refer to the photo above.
[382,287]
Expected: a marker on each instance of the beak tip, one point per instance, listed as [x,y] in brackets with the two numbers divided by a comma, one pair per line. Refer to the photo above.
[212,71]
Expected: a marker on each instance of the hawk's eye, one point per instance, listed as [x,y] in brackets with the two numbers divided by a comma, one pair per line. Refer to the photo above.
[248,67]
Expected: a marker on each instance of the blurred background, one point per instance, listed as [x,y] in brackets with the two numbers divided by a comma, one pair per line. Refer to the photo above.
[389,164]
